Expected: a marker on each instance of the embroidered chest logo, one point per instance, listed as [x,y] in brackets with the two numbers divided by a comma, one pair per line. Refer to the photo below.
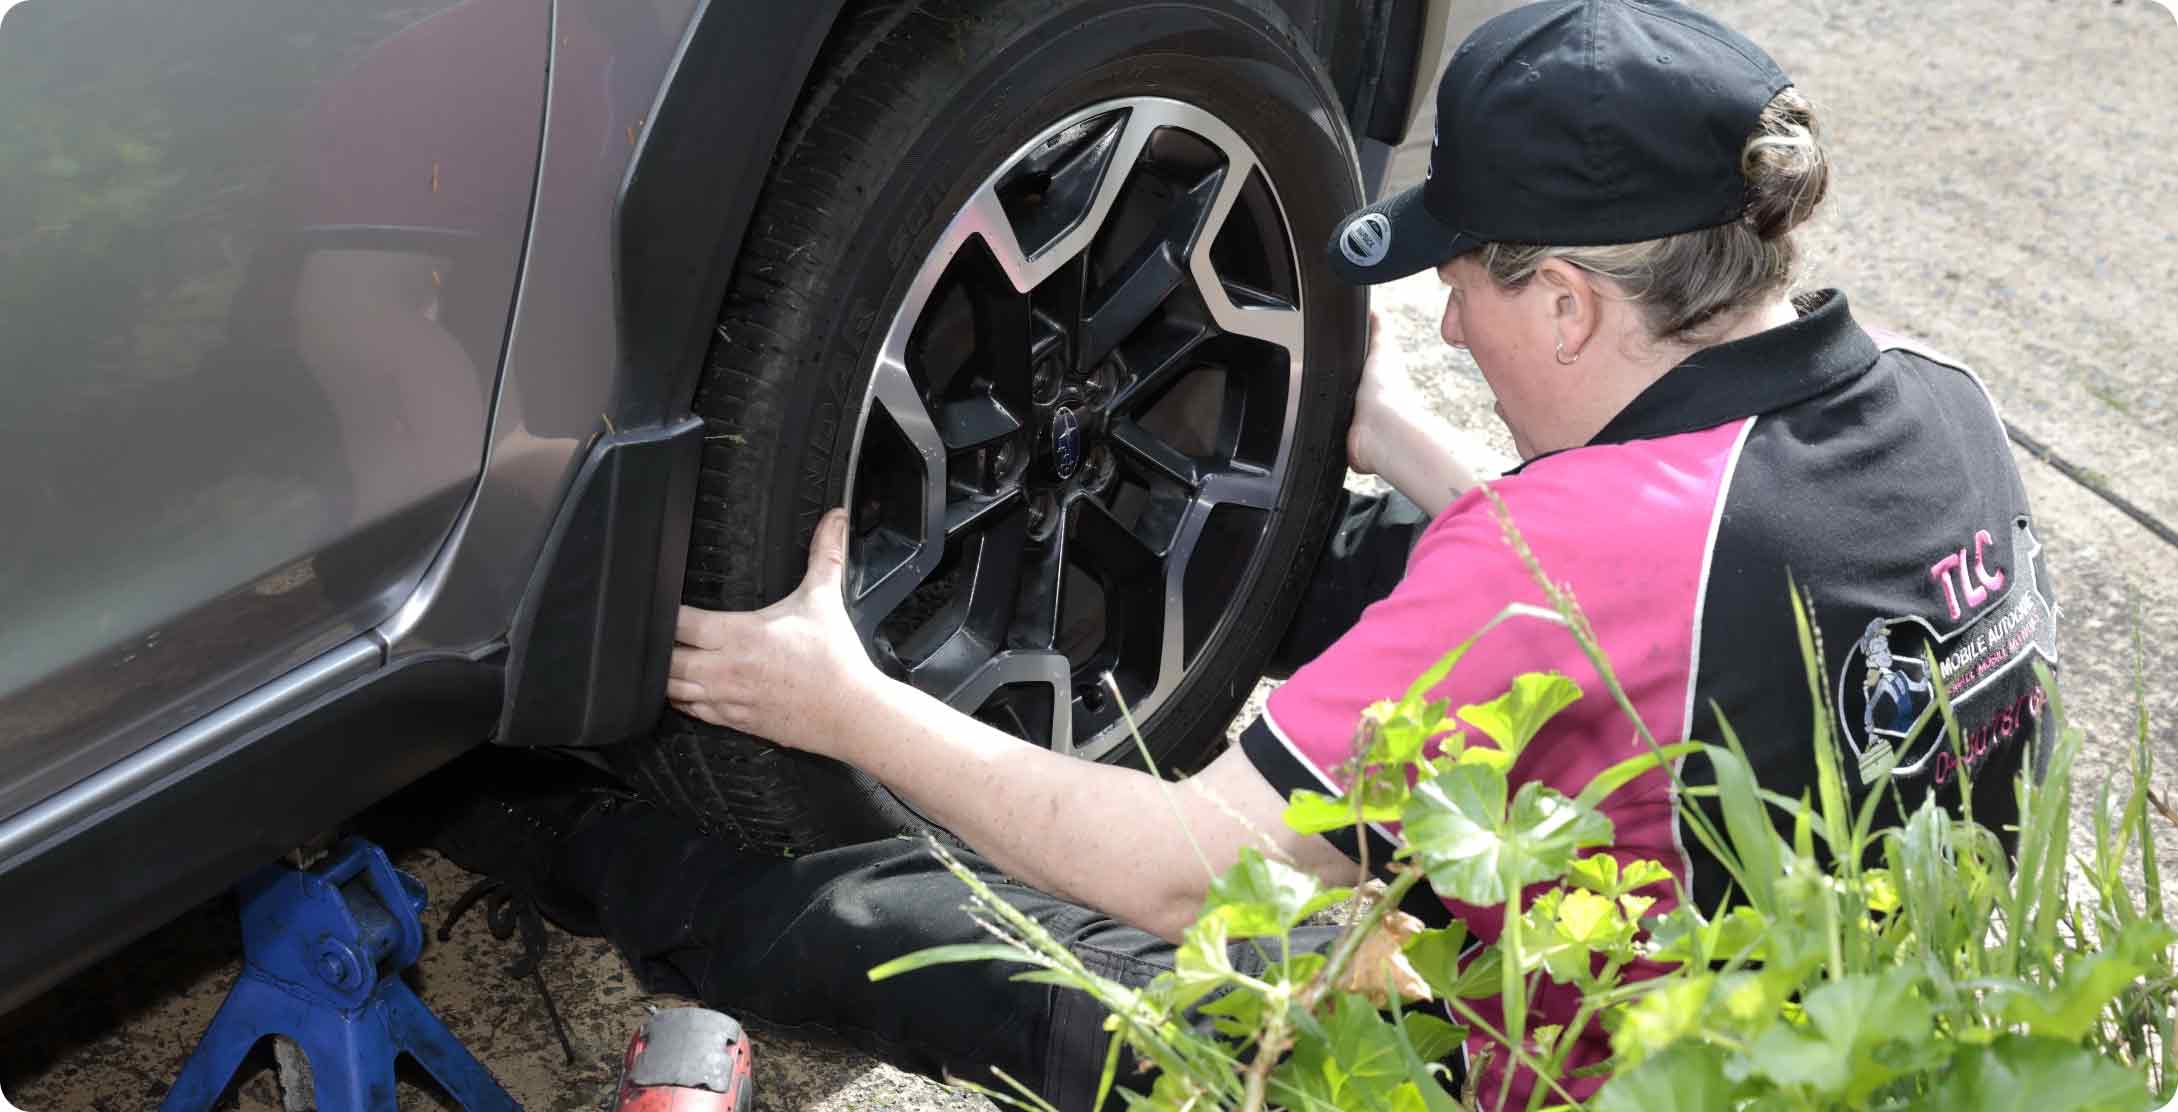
[1886,698]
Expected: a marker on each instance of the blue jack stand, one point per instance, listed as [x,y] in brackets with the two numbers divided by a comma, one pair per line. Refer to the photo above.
[323,952]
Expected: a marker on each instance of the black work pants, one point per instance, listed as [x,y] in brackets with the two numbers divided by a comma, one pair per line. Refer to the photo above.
[790,942]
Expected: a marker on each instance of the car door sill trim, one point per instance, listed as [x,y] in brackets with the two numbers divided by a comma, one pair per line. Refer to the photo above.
[37,828]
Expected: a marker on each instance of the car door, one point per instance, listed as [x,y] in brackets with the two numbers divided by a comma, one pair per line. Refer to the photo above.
[256,263]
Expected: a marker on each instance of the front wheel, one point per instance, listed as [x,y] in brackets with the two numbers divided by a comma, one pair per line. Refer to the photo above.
[1036,293]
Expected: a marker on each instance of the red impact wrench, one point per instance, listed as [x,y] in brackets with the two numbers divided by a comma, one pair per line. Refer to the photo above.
[686,1060]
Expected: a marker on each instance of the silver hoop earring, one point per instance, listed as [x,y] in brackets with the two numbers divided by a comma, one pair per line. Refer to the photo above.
[1562,360]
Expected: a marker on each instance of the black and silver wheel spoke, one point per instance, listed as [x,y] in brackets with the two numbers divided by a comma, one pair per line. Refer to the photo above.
[902,551]
[1076,431]
[949,649]
[1158,359]
[1241,486]
[1039,608]
[1149,457]
[975,512]
[974,422]
[1149,278]
[1048,673]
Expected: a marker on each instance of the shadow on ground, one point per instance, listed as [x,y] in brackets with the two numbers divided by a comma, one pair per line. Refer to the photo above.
[113,1037]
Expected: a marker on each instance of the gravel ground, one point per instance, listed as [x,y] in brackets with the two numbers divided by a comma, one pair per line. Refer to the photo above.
[2005,183]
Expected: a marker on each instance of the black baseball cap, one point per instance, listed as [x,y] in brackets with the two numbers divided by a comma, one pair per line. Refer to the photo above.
[1574,123]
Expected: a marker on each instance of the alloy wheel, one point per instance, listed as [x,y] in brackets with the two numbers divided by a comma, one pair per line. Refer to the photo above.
[1077,428]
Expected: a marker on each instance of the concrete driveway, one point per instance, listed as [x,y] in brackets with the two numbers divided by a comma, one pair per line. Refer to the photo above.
[2006,189]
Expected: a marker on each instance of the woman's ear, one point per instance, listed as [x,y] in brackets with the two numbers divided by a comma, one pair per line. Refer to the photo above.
[1572,303]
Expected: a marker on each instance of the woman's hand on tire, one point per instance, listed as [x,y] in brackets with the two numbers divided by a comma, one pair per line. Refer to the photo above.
[791,672]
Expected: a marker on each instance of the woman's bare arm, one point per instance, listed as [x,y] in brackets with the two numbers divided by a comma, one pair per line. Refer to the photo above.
[1122,841]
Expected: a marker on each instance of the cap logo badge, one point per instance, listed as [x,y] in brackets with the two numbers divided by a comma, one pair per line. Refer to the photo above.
[1366,239]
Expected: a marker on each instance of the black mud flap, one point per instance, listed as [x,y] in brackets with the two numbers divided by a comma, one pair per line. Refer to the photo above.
[594,633]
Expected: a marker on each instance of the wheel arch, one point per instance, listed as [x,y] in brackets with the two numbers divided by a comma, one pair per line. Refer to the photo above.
[692,188]
[1373,50]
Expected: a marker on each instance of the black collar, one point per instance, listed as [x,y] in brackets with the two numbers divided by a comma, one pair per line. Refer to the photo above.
[1768,371]
[1762,373]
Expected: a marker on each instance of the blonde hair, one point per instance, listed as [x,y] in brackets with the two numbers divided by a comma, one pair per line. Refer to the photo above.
[1685,282]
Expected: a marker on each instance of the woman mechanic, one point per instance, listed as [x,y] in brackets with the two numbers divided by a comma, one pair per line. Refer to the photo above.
[1610,204]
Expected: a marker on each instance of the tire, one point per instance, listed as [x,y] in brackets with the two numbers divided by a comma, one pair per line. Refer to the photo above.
[913,112]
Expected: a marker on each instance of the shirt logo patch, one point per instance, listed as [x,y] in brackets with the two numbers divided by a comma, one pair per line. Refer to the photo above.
[1889,719]
[1367,239]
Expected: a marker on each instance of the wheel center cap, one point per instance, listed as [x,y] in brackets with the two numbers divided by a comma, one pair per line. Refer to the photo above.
[1065,442]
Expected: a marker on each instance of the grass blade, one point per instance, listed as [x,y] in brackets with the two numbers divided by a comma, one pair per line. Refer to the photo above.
[952,955]
[1746,822]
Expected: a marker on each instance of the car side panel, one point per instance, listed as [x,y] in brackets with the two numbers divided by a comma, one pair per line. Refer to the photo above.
[661,128]
[256,263]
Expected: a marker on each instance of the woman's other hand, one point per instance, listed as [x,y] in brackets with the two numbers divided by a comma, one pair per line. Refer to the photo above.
[1385,402]
[1395,435]
[793,672]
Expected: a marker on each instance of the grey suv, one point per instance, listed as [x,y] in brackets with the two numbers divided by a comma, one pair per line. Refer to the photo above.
[381,373]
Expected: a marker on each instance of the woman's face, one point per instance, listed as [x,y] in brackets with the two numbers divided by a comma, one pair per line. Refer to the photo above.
[1509,335]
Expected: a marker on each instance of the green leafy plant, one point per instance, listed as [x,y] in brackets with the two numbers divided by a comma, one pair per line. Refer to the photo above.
[1917,967]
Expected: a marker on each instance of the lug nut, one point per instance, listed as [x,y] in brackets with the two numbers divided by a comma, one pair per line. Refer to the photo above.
[1103,382]
[1091,695]
[1043,516]
[1098,474]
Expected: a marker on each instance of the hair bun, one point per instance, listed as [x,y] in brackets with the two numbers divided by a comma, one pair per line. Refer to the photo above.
[1786,170]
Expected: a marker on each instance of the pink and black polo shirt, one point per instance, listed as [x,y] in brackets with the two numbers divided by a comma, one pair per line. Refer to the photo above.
[1876,478]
